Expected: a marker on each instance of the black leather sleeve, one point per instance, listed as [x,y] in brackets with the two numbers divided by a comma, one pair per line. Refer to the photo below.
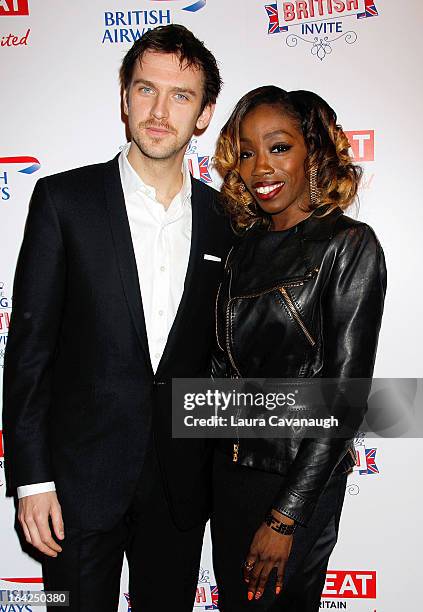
[38,298]
[352,309]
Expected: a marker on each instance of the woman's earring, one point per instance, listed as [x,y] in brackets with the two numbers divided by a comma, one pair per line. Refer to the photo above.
[242,192]
[314,191]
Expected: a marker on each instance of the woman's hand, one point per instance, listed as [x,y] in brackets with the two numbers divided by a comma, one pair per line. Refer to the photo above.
[268,549]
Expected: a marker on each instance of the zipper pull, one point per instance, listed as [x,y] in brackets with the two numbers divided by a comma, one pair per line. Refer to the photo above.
[235,453]
[313,271]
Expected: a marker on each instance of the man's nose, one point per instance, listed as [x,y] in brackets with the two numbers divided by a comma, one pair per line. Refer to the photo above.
[160,108]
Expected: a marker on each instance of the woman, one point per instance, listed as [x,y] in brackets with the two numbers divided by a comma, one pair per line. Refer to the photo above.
[302,296]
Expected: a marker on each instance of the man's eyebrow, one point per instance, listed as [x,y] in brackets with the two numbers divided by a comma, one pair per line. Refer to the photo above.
[270,135]
[181,89]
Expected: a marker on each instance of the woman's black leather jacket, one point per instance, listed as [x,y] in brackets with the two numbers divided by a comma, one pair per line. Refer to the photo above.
[304,302]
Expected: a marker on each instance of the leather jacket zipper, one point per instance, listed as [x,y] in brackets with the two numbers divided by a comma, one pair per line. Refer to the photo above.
[290,304]
[228,344]
[215,317]
[294,283]
[296,315]
[229,322]
[217,299]
[235,375]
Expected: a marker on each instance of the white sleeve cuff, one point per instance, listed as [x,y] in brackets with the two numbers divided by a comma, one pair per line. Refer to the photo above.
[32,489]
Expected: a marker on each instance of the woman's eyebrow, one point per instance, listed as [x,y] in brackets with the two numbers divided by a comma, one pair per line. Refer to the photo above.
[276,133]
[269,135]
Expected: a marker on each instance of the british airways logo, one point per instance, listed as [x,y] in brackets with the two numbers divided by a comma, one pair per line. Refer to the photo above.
[128,26]
[20,594]
[23,164]
[22,160]
[191,7]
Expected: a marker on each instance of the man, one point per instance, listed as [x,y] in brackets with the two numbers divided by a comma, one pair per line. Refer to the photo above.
[114,296]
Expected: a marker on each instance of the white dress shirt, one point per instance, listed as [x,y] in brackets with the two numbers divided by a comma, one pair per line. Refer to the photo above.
[162,240]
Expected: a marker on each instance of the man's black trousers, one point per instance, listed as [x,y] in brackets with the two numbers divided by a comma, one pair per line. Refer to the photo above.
[163,561]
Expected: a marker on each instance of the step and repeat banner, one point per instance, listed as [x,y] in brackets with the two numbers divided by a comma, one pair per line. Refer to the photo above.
[60,108]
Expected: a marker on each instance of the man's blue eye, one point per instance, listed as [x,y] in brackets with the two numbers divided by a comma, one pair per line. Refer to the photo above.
[181,96]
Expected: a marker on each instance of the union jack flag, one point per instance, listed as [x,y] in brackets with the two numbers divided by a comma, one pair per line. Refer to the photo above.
[370,10]
[272,13]
[128,601]
[203,165]
[199,167]
[214,597]
[371,467]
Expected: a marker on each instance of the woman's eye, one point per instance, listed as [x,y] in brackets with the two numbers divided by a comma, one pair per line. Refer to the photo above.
[280,148]
[245,154]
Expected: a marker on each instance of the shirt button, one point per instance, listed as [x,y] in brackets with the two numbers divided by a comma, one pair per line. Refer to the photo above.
[157,355]
[162,268]
[160,312]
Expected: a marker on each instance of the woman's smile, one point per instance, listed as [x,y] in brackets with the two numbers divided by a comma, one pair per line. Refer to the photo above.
[267,191]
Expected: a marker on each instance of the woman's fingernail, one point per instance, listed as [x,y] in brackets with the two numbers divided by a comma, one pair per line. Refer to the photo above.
[250,595]
[247,580]
[258,595]
[278,590]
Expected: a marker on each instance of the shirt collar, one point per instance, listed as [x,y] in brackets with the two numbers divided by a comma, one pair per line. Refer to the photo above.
[132,182]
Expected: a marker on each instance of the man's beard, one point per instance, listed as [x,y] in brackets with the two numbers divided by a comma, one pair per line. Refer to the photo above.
[155,148]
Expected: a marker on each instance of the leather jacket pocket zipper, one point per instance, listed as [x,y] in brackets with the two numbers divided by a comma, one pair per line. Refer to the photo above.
[296,315]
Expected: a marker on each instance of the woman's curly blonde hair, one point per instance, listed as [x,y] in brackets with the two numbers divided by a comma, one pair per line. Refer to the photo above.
[337,177]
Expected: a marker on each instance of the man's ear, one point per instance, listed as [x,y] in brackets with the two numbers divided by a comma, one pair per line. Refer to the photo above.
[125,102]
[205,117]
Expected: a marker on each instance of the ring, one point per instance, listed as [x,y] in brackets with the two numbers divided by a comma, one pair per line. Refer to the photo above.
[249,565]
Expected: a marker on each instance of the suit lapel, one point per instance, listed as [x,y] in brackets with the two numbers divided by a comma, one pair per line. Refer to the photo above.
[122,240]
[183,311]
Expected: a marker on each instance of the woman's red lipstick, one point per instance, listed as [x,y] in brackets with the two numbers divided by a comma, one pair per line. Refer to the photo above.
[267,191]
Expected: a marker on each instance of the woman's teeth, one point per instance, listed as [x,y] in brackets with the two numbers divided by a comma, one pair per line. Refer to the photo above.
[269,188]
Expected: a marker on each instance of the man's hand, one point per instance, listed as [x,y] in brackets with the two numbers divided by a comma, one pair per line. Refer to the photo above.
[33,514]
[268,549]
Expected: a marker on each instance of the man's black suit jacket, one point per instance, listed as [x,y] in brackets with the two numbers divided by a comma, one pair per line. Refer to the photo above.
[80,395]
